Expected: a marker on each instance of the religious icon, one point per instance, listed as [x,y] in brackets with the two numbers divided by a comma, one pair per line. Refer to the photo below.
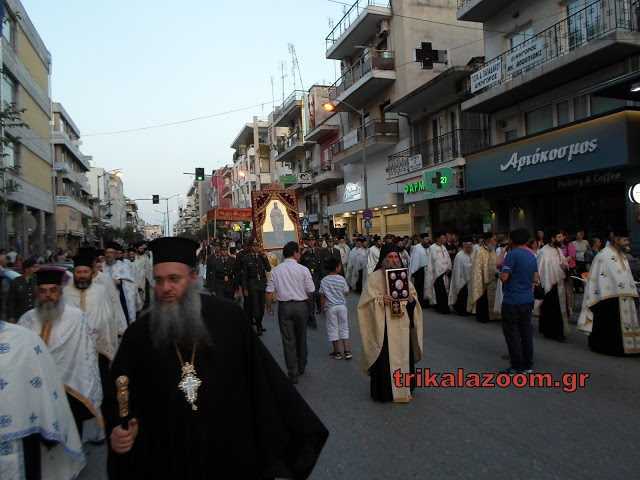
[398,288]
[276,218]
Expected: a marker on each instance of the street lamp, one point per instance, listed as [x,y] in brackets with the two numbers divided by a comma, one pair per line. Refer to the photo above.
[118,173]
[330,107]
[166,220]
[167,199]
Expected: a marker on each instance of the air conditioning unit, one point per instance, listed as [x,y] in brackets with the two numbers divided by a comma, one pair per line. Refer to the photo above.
[383,28]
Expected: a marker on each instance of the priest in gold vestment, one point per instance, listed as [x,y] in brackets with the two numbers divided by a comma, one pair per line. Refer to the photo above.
[389,343]
[482,287]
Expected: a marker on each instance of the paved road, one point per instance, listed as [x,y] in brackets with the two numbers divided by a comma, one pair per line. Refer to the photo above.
[493,433]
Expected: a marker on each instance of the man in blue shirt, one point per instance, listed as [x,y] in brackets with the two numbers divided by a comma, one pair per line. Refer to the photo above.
[519,272]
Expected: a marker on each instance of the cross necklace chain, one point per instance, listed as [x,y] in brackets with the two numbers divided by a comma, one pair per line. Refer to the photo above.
[189,383]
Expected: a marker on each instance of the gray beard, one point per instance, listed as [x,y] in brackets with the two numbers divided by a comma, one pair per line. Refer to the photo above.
[386,265]
[110,262]
[49,313]
[83,285]
[181,323]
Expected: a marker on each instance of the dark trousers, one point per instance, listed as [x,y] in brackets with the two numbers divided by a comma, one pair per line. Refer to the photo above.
[418,282]
[359,282]
[518,332]
[314,304]
[441,296]
[292,319]
[256,299]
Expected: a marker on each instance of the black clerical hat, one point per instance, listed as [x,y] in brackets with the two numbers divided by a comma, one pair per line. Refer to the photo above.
[620,232]
[174,249]
[87,252]
[49,277]
[424,235]
[83,261]
[115,245]
[99,252]
[466,240]
[487,235]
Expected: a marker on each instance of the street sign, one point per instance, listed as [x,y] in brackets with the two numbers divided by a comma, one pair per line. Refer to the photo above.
[368,224]
[304,221]
[305,179]
[367,215]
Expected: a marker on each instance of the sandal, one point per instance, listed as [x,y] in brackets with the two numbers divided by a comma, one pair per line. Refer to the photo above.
[335,355]
[347,355]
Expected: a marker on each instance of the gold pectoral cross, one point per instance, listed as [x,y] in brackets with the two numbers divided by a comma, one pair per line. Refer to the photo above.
[189,384]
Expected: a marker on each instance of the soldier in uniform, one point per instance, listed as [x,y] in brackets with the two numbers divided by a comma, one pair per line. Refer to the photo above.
[332,251]
[313,258]
[23,291]
[221,280]
[254,283]
[244,248]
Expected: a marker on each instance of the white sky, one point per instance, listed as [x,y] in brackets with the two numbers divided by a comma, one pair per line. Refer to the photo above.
[122,65]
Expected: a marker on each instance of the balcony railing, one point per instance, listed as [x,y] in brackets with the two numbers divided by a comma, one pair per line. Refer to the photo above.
[371,60]
[352,14]
[595,20]
[296,96]
[455,144]
[387,128]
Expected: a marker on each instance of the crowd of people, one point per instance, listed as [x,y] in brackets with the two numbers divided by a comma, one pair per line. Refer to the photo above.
[137,312]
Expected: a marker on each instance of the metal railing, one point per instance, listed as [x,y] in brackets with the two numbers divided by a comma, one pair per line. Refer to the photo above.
[371,60]
[455,144]
[351,16]
[377,127]
[296,96]
[593,21]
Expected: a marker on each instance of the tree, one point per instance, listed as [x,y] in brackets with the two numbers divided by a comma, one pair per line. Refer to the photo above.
[131,236]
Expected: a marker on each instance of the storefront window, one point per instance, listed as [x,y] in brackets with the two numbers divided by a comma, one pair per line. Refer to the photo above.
[603,105]
[580,107]
[460,217]
[562,113]
[539,119]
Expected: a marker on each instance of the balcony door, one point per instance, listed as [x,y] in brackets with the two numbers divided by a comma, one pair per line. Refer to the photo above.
[436,134]
[583,24]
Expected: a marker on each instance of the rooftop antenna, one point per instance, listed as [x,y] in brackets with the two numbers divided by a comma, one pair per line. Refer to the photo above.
[273,96]
[296,65]
[282,67]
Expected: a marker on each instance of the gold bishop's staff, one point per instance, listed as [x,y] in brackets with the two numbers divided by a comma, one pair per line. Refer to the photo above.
[122,382]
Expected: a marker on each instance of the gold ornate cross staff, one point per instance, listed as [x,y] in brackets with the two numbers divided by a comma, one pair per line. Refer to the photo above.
[122,382]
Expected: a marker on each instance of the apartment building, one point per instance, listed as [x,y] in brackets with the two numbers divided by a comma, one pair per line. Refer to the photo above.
[74,216]
[221,188]
[560,92]
[28,197]
[252,162]
[375,43]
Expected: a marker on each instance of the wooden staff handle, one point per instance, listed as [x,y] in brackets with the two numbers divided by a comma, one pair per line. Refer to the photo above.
[122,383]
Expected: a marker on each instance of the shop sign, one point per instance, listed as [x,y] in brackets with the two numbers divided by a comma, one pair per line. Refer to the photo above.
[339,222]
[519,161]
[304,179]
[415,163]
[288,179]
[525,56]
[352,191]
[487,75]
[350,139]
[596,178]
[434,183]
[559,155]
[414,187]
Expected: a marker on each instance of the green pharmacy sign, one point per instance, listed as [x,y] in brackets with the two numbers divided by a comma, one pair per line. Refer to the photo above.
[438,180]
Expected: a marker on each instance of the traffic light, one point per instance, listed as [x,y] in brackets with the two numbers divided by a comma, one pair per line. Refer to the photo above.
[199,174]
[155,199]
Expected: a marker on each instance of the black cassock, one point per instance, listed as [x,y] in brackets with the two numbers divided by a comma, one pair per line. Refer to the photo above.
[250,422]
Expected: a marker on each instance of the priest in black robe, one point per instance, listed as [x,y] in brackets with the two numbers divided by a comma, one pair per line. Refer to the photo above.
[206,399]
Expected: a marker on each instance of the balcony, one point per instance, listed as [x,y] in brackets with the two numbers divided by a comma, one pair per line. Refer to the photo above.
[322,131]
[289,147]
[603,33]
[445,148]
[66,201]
[326,175]
[356,27]
[61,138]
[379,135]
[480,10]
[371,73]
[290,110]
[226,191]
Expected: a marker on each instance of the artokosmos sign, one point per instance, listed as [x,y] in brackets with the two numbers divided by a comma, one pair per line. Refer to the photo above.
[518,161]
